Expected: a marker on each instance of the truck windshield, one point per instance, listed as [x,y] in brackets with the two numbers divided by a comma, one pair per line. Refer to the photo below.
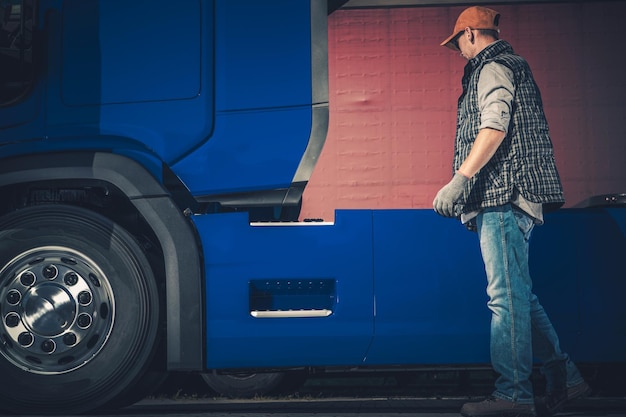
[16,40]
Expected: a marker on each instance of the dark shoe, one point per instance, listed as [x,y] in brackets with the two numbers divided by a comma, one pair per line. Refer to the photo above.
[555,401]
[496,407]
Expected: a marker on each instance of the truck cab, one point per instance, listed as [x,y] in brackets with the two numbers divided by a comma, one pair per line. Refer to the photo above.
[119,122]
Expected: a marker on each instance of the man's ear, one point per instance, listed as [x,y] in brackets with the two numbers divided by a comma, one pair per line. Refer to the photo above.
[470,34]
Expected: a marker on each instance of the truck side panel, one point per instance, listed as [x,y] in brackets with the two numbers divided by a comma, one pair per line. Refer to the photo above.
[413,279]
[256,273]
[577,259]
[429,288]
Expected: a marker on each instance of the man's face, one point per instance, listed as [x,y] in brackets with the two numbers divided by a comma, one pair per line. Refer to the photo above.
[464,42]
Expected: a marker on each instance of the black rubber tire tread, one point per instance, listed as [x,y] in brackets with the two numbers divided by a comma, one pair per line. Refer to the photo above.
[244,385]
[255,384]
[127,353]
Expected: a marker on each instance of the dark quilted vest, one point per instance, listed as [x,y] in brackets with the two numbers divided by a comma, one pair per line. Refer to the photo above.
[525,160]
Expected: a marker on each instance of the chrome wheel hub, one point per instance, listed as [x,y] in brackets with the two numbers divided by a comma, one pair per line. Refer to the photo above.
[57,310]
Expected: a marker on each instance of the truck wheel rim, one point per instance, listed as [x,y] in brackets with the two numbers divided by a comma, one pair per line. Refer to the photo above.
[57,310]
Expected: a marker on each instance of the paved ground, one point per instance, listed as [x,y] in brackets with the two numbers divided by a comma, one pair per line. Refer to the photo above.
[436,395]
[343,407]
[335,407]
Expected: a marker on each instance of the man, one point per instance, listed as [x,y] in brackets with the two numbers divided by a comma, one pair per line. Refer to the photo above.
[504,178]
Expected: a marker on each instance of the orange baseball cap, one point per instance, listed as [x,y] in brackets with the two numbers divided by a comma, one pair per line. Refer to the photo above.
[475,17]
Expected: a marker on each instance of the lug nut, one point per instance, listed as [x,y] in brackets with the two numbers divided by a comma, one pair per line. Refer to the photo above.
[25,339]
[50,272]
[84,321]
[12,320]
[13,297]
[69,339]
[48,346]
[84,298]
[70,279]
[28,278]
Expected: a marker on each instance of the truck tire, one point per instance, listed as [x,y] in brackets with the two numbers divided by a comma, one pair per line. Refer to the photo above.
[79,307]
[243,385]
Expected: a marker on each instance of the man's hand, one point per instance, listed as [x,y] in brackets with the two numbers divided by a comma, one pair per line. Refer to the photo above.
[449,195]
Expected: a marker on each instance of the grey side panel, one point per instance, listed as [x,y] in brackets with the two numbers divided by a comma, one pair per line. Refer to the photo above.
[319,85]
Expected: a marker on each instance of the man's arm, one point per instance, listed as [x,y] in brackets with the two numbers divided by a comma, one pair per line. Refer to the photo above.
[495,97]
[485,146]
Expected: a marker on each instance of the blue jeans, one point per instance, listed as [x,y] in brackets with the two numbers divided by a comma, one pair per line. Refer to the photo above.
[520,328]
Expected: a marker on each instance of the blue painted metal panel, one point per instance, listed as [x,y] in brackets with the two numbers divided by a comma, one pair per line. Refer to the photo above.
[142,70]
[248,151]
[430,291]
[263,97]
[410,282]
[430,286]
[578,259]
[237,253]
[262,54]
[142,50]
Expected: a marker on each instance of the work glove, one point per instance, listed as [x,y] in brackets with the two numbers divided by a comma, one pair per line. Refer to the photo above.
[450,195]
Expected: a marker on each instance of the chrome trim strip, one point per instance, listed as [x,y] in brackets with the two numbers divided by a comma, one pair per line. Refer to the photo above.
[275,314]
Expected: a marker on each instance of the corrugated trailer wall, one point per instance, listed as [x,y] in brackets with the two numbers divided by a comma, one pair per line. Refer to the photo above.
[393,93]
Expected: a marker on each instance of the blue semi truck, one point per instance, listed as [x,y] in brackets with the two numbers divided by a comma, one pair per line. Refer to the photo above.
[153,156]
